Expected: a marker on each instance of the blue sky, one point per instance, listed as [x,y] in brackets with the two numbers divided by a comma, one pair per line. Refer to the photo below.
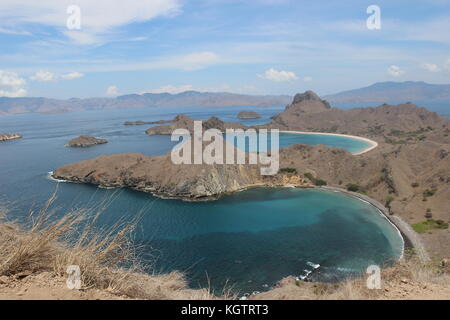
[253,46]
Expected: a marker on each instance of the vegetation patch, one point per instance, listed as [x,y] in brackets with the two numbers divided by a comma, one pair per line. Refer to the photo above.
[429,193]
[353,187]
[429,224]
[315,181]
[288,170]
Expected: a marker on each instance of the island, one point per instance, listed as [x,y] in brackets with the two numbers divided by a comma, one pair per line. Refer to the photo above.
[85,141]
[6,137]
[184,122]
[140,123]
[248,115]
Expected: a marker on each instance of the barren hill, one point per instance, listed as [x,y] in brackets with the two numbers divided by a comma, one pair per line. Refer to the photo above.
[315,114]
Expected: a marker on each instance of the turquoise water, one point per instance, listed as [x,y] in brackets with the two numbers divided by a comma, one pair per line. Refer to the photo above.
[251,238]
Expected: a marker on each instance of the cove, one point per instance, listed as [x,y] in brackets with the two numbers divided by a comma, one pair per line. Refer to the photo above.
[254,238]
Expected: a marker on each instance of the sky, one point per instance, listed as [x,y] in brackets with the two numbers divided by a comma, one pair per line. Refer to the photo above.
[106,48]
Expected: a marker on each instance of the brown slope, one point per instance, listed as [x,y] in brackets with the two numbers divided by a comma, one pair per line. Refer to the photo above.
[310,113]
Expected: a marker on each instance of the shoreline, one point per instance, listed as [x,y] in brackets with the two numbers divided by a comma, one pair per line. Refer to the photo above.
[410,238]
[373,144]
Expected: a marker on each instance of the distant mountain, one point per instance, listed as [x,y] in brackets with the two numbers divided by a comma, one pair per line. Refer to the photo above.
[394,91]
[146,100]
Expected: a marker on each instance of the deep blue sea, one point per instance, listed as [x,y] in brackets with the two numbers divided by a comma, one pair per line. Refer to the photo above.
[250,239]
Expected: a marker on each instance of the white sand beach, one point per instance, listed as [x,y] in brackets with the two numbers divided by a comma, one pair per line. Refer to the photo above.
[373,144]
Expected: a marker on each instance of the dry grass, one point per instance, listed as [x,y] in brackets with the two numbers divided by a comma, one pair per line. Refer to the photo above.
[410,271]
[107,259]
[408,279]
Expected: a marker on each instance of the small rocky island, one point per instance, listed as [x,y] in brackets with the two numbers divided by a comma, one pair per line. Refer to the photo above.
[248,115]
[182,121]
[5,137]
[140,123]
[85,141]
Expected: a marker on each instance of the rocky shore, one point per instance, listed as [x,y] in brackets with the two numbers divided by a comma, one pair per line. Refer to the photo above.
[5,137]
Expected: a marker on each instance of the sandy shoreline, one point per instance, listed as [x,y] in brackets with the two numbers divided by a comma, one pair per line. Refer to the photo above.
[373,144]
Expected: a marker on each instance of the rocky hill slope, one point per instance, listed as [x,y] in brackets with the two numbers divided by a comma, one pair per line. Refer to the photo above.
[310,113]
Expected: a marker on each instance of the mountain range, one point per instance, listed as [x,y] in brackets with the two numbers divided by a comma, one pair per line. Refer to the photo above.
[378,92]
[146,100]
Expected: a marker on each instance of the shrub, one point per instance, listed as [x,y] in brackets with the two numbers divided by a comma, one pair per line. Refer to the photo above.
[316,181]
[414,184]
[309,176]
[428,193]
[389,200]
[288,170]
[353,187]
[320,182]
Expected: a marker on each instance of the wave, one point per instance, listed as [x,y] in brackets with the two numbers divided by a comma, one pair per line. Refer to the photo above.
[50,177]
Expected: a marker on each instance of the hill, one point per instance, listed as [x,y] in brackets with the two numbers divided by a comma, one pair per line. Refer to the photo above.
[394,91]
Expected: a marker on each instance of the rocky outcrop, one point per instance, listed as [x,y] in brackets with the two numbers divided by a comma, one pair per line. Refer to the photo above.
[248,115]
[5,137]
[85,141]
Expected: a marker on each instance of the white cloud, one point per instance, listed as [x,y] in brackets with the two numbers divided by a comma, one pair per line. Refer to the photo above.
[72,75]
[198,60]
[431,67]
[97,17]
[173,89]
[307,79]
[112,91]
[447,65]
[43,76]
[14,32]
[246,89]
[395,71]
[11,85]
[187,62]
[278,76]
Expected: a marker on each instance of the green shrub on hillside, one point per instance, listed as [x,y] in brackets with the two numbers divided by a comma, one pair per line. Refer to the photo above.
[320,182]
[353,187]
[430,224]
